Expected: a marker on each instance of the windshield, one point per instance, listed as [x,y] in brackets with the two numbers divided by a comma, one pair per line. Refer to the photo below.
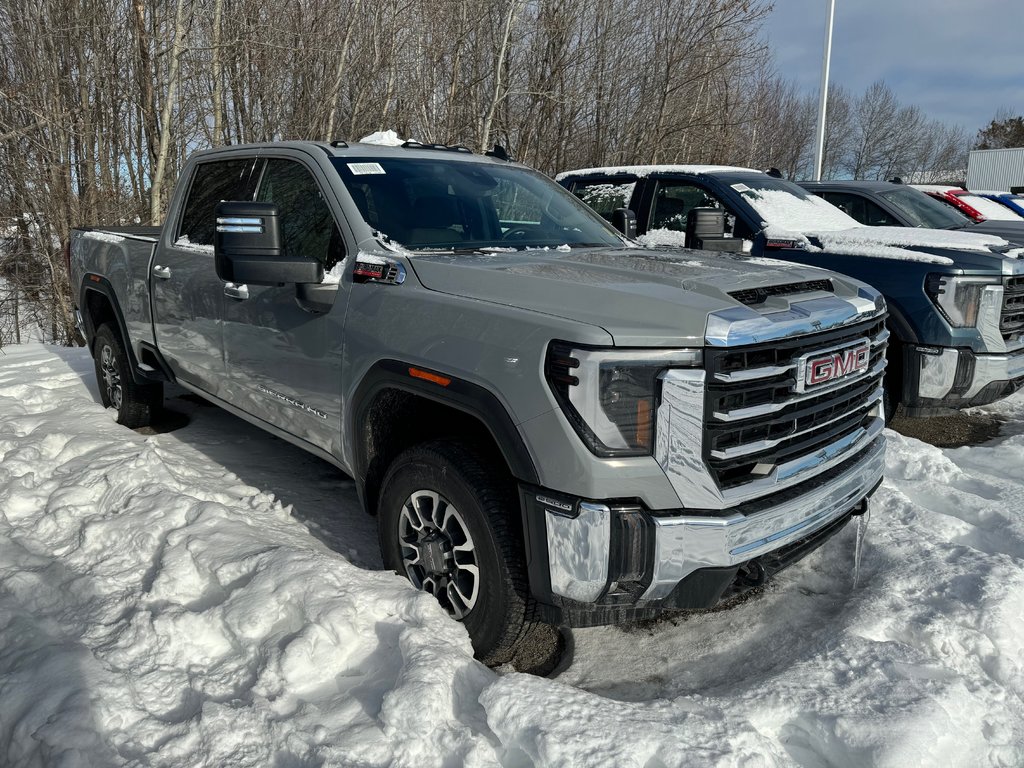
[990,209]
[925,211]
[442,204]
[784,205]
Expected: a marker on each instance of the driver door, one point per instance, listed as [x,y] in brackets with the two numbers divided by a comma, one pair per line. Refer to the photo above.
[283,357]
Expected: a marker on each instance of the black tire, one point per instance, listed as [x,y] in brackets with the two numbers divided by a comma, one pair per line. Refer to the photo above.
[893,380]
[135,403]
[502,615]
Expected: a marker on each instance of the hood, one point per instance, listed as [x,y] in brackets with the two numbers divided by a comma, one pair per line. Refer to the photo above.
[1008,230]
[641,297]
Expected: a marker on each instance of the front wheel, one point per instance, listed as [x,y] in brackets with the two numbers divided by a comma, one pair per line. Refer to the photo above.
[893,380]
[135,403]
[449,524]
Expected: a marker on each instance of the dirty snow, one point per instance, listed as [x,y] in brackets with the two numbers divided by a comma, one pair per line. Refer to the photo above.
[169,600]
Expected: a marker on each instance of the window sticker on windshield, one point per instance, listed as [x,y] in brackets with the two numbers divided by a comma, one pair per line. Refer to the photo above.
[741,188]
[363,169]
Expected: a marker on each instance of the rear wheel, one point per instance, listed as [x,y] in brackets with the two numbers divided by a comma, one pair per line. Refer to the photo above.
[448,522]
[135,403]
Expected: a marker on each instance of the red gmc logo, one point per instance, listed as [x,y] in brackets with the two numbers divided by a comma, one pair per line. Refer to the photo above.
[837,365]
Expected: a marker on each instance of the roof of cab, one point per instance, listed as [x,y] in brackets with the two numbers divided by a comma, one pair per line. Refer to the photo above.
[850,183]
[356,150]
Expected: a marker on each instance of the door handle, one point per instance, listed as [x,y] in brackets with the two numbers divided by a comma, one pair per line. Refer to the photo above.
[164,273]
[236,291]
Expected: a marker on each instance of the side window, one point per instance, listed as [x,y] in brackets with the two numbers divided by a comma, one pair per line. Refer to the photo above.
[851,205]
[307,226]
[604,196]
[673,202]
[861,209]
[876,217]
[211,183]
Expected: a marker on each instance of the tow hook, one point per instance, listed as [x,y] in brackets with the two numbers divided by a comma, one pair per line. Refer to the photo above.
[751,574]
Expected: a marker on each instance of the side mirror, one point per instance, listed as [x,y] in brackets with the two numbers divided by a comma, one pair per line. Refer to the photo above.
[624,220]
[247,248]
[705,230]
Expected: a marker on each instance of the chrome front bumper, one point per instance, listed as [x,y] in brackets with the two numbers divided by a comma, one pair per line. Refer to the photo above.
[579,544]
[938,373]
[686,543]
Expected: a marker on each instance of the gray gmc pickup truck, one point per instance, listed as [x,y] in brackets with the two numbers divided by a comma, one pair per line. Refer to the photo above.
[550,424]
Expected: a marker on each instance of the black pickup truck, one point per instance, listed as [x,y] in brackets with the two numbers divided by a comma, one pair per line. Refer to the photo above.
[888,204]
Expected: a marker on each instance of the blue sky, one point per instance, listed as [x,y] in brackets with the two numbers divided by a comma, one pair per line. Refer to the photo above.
[959,61]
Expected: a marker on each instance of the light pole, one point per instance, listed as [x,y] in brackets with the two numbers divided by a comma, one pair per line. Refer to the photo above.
[819,139]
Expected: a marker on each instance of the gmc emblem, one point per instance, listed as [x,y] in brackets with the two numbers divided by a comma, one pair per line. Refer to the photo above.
[821,369]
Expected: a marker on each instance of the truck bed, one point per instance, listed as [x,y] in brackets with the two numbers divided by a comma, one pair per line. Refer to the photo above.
[122,256]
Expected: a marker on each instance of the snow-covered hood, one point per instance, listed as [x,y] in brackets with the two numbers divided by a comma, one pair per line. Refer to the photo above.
[934,246]
[641,297]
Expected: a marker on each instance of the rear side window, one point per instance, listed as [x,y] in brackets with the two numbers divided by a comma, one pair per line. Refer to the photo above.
[604,196]
[673,203]
[212,183]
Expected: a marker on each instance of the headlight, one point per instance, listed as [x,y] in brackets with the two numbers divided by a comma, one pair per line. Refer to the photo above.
[958,297]
[610,395]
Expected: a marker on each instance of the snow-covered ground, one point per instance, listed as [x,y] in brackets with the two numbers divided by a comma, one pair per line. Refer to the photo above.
[28,328]
[208,597]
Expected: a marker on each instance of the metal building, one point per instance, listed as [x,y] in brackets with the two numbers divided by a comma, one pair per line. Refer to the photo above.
[996,169]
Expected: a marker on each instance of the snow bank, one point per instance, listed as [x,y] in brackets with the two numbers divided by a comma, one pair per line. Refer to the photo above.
[158,610]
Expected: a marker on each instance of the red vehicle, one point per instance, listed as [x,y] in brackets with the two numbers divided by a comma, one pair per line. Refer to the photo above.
[970,204]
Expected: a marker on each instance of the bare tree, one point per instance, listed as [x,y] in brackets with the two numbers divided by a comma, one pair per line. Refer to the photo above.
[102,101]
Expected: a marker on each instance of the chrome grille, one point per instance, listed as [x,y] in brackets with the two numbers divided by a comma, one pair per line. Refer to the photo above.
[756,418]
[1011,320]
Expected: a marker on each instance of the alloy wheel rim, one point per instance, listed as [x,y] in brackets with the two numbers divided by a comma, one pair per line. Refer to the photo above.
[111,375]
[438,552]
